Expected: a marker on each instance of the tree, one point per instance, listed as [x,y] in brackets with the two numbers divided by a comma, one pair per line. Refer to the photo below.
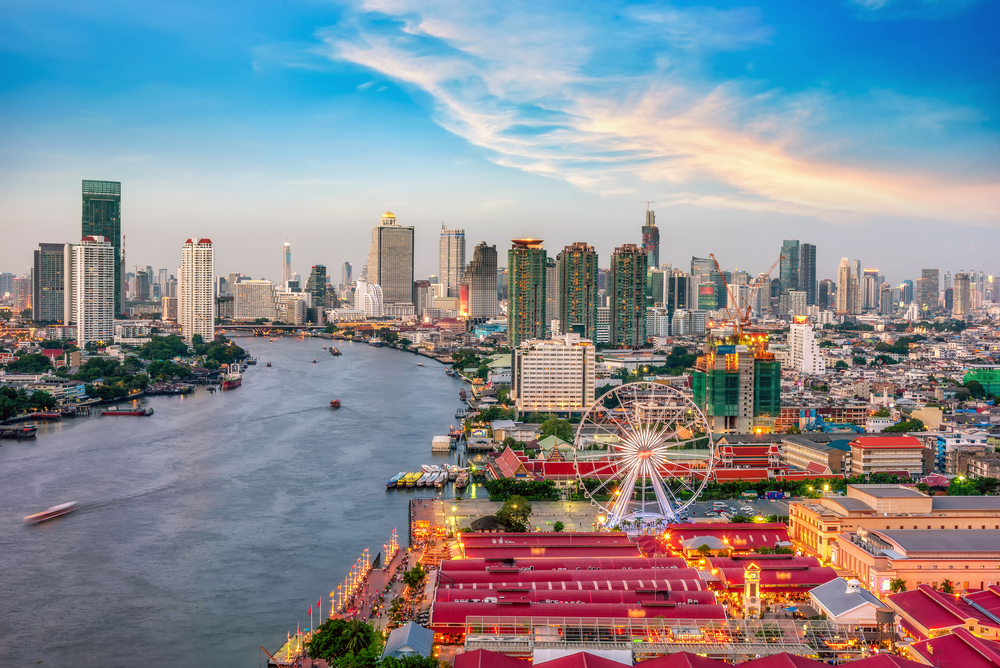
[704,550]
[558,527]
[337,638]
[923,487]
[897,585]
[559,428]
[741,519]
[515,514]
[882,412]
[975,388]
[410,661]
[34,363]
[947,587]
[841,364]
[414,577]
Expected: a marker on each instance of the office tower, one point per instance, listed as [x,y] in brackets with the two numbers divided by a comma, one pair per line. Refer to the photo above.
[603,327]
[578,280]
[142,287]
[856,270]
[286,264]
[21,294]
[345,277]
[825,296]
[961,306]
[788,268]
[390,261]
[48,283]
[627,296]
[656,284]
[196,305]
[677,292]
[425,296]
[886,305]
[602,281]
[807,272]
[451,260]
[102,216]
[551,295]
[796,303]
[526,262]
[502,283]
[906,291]
[481,277]
[870,289]
[651,239]
[949,299]
[6,283]
[89,290]
[947,280]
[316,284]
[930,288]
[774,295]
[843,287]
[803,352]
[706,297]
[161,280]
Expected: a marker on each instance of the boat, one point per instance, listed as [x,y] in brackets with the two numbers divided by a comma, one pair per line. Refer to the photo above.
[314,360]
[324,347]
[440,479]
[430,468]
[335,403]
[462,481]
[52,513]
[334,351]
[422,480]
[375,341]
[394,480]
[450,372]
[127,411]
[420,363]
[462,395]
[231,381]
[268,365]
[411,479]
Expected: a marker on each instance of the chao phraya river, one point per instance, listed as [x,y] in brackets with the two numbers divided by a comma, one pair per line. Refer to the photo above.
[210,527]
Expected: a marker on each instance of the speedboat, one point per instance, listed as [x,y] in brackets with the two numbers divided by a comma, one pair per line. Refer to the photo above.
[52,513]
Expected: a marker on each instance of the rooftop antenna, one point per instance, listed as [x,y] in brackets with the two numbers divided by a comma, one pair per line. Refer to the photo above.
[647,204]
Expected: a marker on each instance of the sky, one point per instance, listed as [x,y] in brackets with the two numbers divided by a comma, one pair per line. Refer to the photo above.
[867,127]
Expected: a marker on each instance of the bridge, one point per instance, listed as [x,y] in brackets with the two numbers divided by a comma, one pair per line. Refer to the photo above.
[265,330]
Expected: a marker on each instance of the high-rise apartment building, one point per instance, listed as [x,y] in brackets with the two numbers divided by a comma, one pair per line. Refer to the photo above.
[929,288]
[807,272]
[196,305]
[89,293]
[390,261]
[49,283]
[316,284]
[827,289]
[843,287]
[286,265]
[502,291]
[886,304]
[345,276]
[255,300]
[102,216]
[627,296]
[552,294]
[578,282]
[526,276]
[651,239]
[481,279]
[451,260]
[788,268]
[803,352]
[677,292]
[737,384]
[554,376]
[870,285]
[856,270]
[906,291]
[368,298]
[961,306]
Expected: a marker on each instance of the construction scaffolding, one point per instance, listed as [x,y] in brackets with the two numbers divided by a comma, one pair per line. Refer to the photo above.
[730,640]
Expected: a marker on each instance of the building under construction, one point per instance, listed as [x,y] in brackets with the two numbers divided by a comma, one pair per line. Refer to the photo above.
[737,383]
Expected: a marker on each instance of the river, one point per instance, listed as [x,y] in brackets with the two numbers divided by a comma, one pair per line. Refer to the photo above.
[210,527]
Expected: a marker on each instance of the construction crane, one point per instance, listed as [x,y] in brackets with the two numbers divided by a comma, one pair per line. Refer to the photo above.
[739,314]
[647,204]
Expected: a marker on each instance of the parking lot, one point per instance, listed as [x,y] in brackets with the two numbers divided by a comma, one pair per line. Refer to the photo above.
[761,507]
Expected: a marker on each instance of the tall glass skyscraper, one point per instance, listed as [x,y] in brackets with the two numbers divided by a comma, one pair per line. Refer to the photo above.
[49,288]
[526,267]
[102,217]
[390,260]
[286,265]
[807,272]
[651,240]
[481,279]
[451,260]
[789,267]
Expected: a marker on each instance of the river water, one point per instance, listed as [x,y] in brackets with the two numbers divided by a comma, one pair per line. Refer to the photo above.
[210,527]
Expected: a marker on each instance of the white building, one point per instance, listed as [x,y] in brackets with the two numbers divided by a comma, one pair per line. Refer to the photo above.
[90,290]
[687,322]
[368,299]
[554,375]
[196,305]
[255,299]
[292,306]
[451,261]
[803,352]
[657,321]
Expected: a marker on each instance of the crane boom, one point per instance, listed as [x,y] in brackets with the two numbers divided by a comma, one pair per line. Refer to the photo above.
[739,313]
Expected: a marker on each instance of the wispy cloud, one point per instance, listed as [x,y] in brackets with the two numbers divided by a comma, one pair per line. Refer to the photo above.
[613,101]
[898,9]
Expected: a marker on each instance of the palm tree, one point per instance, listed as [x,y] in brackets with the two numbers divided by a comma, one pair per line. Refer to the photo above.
[947,587]
[897,585]
[357,636]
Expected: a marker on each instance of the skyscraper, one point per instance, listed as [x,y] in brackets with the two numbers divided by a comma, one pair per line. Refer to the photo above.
[316,284]
[627,296]
[870,286]
[961,302]
[930,287]
[102,216]
[651,239]
[807,272]
[843,287]
[286,265]
[677,292]
[526,262]
[826,291]
[906,291]
[578,281]
[552,295]
[345,277]
[196,306]
[451,260]
[91,290]
[886,306]
[49,283]
[481,279]
[788,269]
[390,261]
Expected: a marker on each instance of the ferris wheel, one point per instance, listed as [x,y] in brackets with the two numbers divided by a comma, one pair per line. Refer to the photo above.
[644,452]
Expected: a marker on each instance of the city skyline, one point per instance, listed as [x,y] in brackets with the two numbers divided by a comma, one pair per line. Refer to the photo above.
[889,144]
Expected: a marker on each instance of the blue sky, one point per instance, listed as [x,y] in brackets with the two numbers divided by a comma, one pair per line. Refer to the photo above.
[867,127]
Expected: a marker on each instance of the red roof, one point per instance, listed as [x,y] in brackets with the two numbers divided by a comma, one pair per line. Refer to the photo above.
[682,660]
[53,352]
[783,660]
[585,538]
[568,563]
[930,609]
[739,536]
[499,577]
[778,577]
[446,616]
[886,442]
[886,661]
[483,658]
[580,660]
[576,595]
[987,599]
[204,241]
[959,649]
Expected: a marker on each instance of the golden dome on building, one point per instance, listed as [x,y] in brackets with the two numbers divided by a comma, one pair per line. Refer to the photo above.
[388,214]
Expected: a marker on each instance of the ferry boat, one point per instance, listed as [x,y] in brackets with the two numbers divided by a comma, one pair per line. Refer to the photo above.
[450,372]
[462,481]
[334,351]
[394,480]
[425,479]
[268,365]
[430,468]
[52,513]
[375,341]
[440,479]
[411,479]
[462,395]
[127,411]
[335,403]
